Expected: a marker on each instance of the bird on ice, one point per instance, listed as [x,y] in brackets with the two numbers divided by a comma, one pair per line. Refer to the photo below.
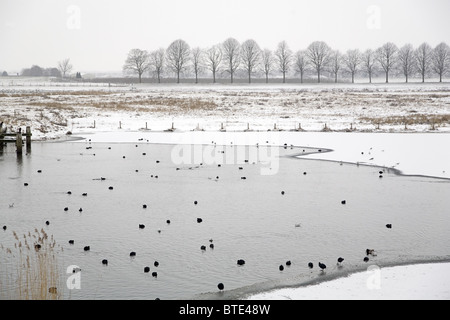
[322,266]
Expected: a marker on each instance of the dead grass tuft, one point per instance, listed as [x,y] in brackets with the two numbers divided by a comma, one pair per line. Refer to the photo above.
[159,104]
[411,119]
[47,94]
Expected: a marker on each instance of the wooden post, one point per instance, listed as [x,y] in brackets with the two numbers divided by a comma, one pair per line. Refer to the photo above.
[146,126]
[94,124]
[19,142]
[28,138]
[120,124]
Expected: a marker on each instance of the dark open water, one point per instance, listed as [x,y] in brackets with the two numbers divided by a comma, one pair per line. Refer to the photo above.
[246,219]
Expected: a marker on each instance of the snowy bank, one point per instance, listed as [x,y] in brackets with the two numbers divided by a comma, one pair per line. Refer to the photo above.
[410,282]
[51,111]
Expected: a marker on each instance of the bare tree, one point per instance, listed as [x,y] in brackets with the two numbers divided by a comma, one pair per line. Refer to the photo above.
[64,66]
[352,60]
[423,59]
[250,57]
[284,58]
[319,55]
[137,62]
[301,63]
[178,55]
[368,61]
[213,60]
[156,61]
[335,64]
[197,62]
[441,59]
[387,57]
[231,54]
[406,60]
[267,62]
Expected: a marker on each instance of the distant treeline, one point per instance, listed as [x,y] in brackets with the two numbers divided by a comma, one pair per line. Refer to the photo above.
[36,71]
[234,60]
[231,61]
[240,79]
[63,69]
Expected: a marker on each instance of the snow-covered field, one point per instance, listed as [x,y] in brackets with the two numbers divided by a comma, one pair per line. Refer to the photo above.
[400,126]
[411,282]
[52,111]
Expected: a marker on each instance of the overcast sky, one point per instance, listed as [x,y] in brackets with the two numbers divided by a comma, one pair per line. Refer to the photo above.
[97,34]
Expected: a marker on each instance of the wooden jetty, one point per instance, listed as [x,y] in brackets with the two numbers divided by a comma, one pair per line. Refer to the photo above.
[17,138]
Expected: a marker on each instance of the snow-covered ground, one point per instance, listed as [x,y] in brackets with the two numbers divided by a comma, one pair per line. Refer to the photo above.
[410,282]
[52,111]
[398,126]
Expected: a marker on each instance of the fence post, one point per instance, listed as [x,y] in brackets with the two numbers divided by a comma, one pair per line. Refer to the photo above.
[19,142]
[28,138]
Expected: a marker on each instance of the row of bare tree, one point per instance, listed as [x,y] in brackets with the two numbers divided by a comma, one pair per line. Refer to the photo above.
[231,56]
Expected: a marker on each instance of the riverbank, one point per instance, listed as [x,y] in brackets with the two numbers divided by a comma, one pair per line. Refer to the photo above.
[430,281]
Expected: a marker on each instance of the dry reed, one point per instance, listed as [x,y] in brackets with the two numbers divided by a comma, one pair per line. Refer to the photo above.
[29,270]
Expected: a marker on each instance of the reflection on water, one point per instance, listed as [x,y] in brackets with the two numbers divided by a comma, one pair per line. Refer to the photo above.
[266,220]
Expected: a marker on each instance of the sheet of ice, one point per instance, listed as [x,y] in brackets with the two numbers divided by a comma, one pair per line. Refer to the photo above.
[411,282]
[412,154]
